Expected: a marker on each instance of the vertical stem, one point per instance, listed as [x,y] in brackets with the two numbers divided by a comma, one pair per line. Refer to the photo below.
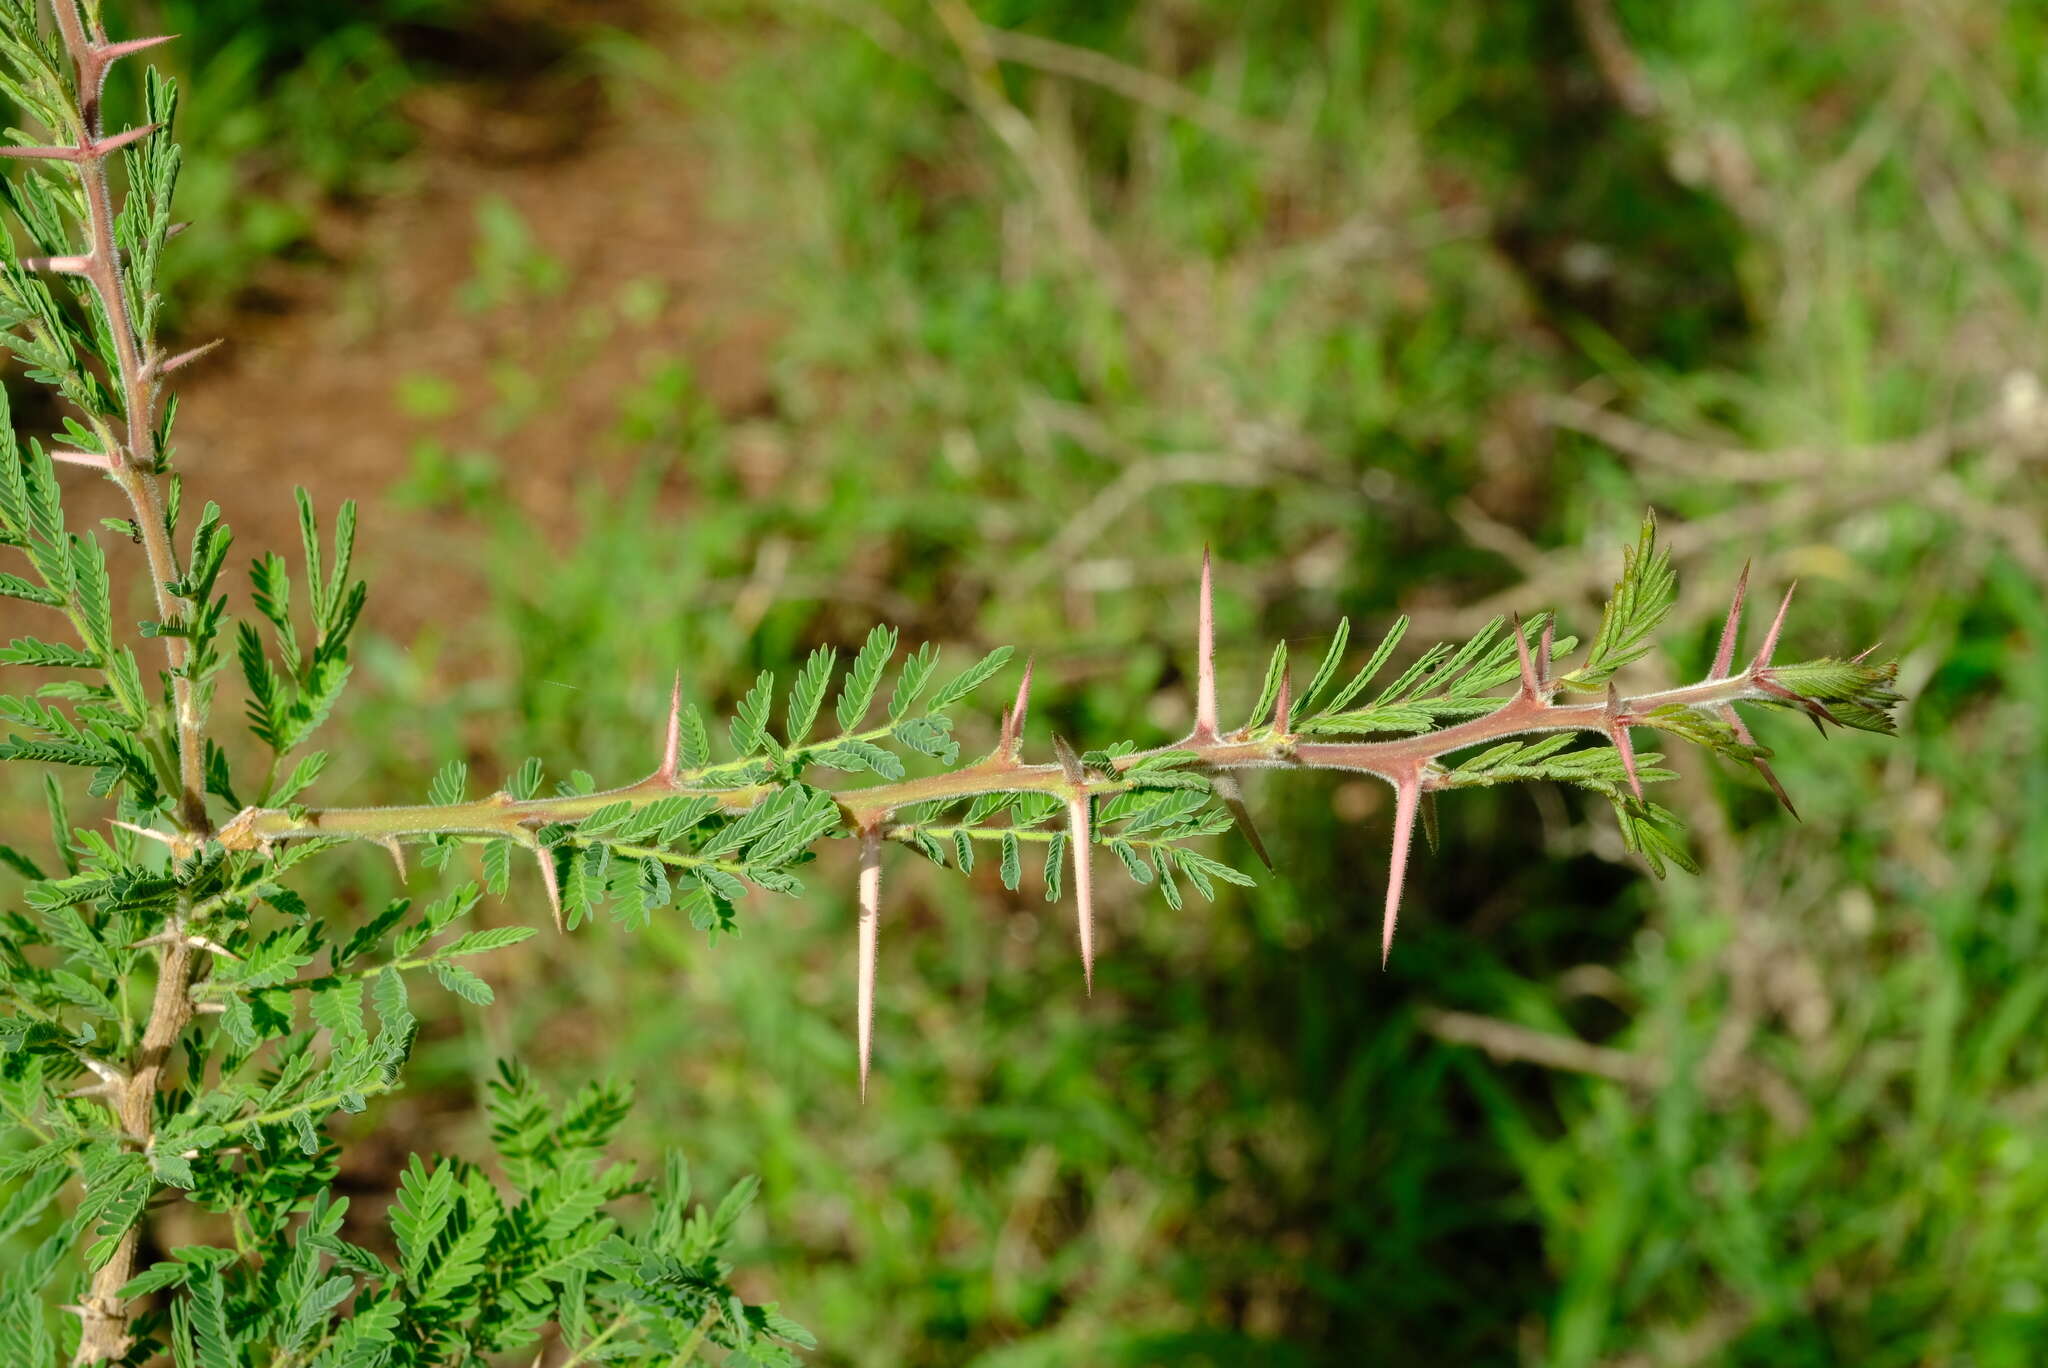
[102,1312]
[134,469]
[104,1316]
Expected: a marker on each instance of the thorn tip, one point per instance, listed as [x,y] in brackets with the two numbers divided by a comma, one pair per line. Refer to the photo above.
[1205,654]
[1407,798]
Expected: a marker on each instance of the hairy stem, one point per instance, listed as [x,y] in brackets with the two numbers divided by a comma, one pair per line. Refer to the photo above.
[102,1312]
[133,466]
[103,1315]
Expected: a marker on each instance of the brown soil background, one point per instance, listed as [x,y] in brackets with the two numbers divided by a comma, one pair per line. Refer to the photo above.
[612,183]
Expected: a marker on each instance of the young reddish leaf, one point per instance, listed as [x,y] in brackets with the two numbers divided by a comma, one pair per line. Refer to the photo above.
[1225,786]
[1013,720]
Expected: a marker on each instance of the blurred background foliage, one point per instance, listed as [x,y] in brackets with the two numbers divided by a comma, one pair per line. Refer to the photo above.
[659,335]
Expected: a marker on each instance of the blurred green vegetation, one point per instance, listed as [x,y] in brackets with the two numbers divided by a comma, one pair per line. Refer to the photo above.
[1397,306]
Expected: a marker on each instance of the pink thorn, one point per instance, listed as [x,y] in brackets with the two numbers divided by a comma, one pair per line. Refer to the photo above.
[114,52]
[1283,706]
[1081,838]
[1013,720]
[1724,654]
[1407,798]
[186,358]
[1617,729]
[1532,682]
[870,923]
[103,146]
[547,876]
[1624,743]
[672,745]
[70,154]
[1543,648]
[85,458]
[1205,656]
[62,265]
[1770,646]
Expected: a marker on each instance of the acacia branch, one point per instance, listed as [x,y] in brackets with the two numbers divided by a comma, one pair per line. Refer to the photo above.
[500,815]
[1848,693]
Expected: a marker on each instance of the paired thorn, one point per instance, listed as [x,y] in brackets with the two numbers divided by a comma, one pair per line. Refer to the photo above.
[1724,661]
[176,934]
[1013,721]
[1617,724]
[1731,630]
[1407,798]
[397,854]
[93,149]
[1283,705]
[870,924]
[1205,655]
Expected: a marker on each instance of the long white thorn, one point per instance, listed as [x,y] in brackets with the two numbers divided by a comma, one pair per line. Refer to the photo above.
[547,878]
[870,924]
[1081,838]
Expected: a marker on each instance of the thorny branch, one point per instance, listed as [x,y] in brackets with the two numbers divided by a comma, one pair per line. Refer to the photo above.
[130,460]
[1413,765]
